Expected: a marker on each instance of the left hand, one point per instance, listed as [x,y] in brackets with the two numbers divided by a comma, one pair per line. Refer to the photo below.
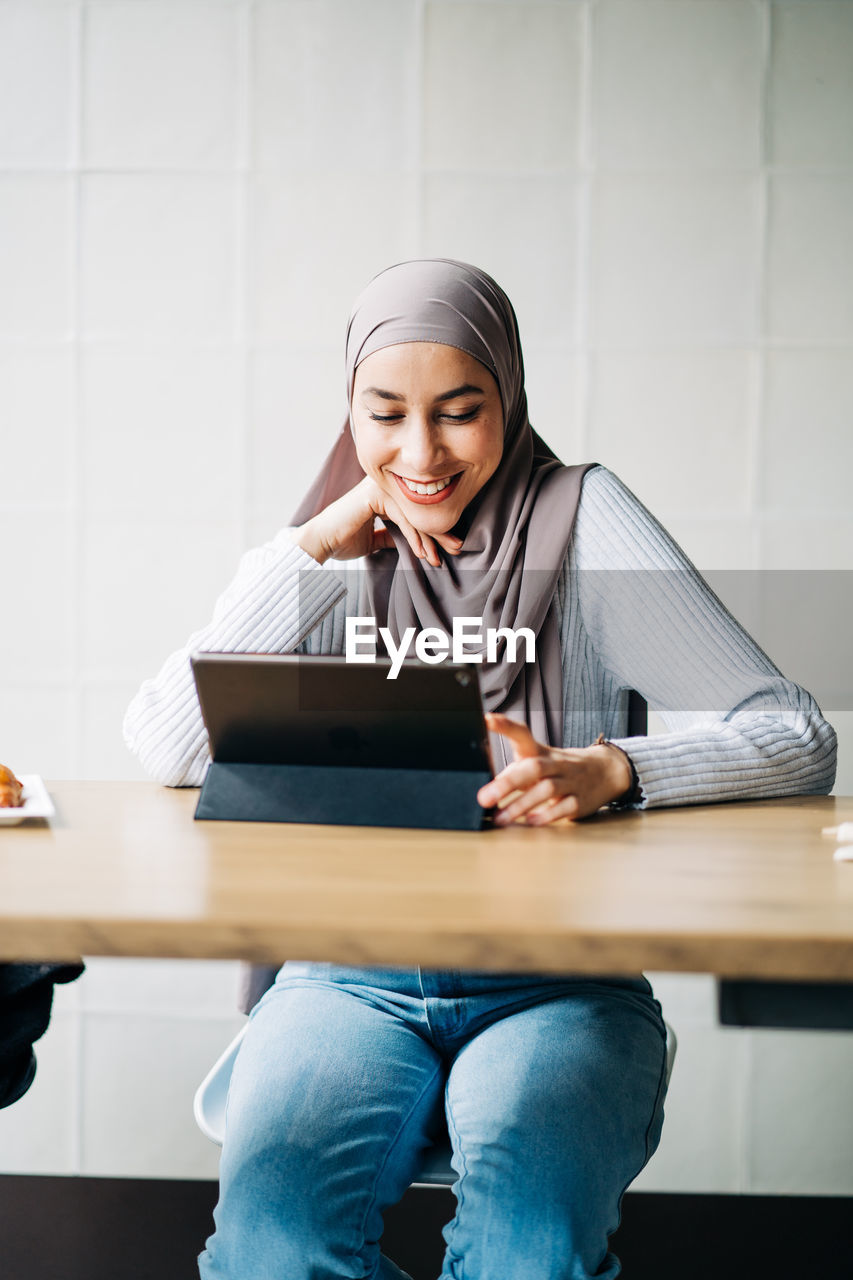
[552,782]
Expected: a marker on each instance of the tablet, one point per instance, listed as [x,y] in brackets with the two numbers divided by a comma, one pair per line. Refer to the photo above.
[296,709]
[318,739]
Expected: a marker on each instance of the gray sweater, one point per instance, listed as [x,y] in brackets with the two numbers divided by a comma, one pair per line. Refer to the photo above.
[632,612]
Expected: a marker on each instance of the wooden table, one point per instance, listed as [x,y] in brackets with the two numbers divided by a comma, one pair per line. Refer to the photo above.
[743,890]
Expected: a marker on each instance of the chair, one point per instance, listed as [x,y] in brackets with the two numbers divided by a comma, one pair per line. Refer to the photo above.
[436,1171]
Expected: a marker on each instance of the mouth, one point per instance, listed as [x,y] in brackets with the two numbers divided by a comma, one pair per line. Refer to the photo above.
[428,492]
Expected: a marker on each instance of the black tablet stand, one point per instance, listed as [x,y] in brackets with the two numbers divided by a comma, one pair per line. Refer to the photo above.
[351,796]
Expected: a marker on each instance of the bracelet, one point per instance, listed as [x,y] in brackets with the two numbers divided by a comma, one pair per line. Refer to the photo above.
[634,793]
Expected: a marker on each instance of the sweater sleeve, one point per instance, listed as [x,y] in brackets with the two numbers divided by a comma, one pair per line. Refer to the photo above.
[736,728]
[279,600]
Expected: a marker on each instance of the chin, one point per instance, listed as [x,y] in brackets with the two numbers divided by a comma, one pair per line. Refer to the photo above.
[430,521]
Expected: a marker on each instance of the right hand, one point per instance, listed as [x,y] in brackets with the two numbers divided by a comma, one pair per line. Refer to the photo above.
[345,530]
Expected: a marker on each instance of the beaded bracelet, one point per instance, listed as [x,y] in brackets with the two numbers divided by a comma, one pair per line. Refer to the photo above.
[634,793]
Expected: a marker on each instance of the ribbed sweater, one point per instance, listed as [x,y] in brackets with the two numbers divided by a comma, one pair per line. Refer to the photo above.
[633,613]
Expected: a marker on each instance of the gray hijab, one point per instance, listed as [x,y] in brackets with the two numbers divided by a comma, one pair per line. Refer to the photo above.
[517,528]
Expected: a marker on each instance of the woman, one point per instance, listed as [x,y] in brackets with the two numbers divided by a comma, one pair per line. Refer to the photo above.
[552,1088]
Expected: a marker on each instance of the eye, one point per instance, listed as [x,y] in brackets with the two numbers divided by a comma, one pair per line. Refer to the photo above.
[384,417]
[467,416]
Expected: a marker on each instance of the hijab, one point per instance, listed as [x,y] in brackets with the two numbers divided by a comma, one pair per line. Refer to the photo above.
[516,530]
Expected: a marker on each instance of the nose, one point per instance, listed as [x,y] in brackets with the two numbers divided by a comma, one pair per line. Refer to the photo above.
[422,449]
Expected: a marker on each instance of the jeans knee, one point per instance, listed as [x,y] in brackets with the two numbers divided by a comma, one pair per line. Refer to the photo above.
[276,1217]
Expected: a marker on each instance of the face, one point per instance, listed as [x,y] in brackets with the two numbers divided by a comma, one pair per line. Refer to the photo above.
[428,427]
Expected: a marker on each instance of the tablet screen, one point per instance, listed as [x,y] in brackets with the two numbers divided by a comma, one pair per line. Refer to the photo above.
[307,710]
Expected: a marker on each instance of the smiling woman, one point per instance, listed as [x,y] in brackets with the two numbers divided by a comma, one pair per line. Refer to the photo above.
[551,1088]
[425,453]
[431,451]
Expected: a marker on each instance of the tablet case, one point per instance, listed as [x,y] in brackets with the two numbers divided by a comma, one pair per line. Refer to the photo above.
[317,740]
[440,799]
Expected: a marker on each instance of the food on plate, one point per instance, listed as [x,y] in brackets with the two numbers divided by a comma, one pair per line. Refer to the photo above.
[11,790]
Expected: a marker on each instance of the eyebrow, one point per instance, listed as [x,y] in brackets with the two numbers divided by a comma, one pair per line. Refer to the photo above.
[467,388]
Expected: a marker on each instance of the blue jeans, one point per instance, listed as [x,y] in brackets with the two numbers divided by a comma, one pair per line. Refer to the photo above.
[552,1092]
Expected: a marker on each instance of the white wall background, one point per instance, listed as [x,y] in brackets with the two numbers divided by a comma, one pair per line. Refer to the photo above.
[191,194]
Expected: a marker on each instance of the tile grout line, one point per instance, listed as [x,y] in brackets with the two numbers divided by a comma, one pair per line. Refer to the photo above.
[76,416]
[665,346]
[418,130]
[164,1013]
[583,240]
[684,173]
[78,1139]
[756,419]
[744,1148]
[243,173]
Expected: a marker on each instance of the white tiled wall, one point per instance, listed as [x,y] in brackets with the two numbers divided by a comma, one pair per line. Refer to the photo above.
[191,194]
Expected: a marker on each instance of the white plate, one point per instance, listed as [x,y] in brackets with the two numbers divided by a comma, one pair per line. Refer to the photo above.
[37,803]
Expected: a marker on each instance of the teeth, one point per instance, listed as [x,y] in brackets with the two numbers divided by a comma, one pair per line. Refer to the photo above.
[435,486]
